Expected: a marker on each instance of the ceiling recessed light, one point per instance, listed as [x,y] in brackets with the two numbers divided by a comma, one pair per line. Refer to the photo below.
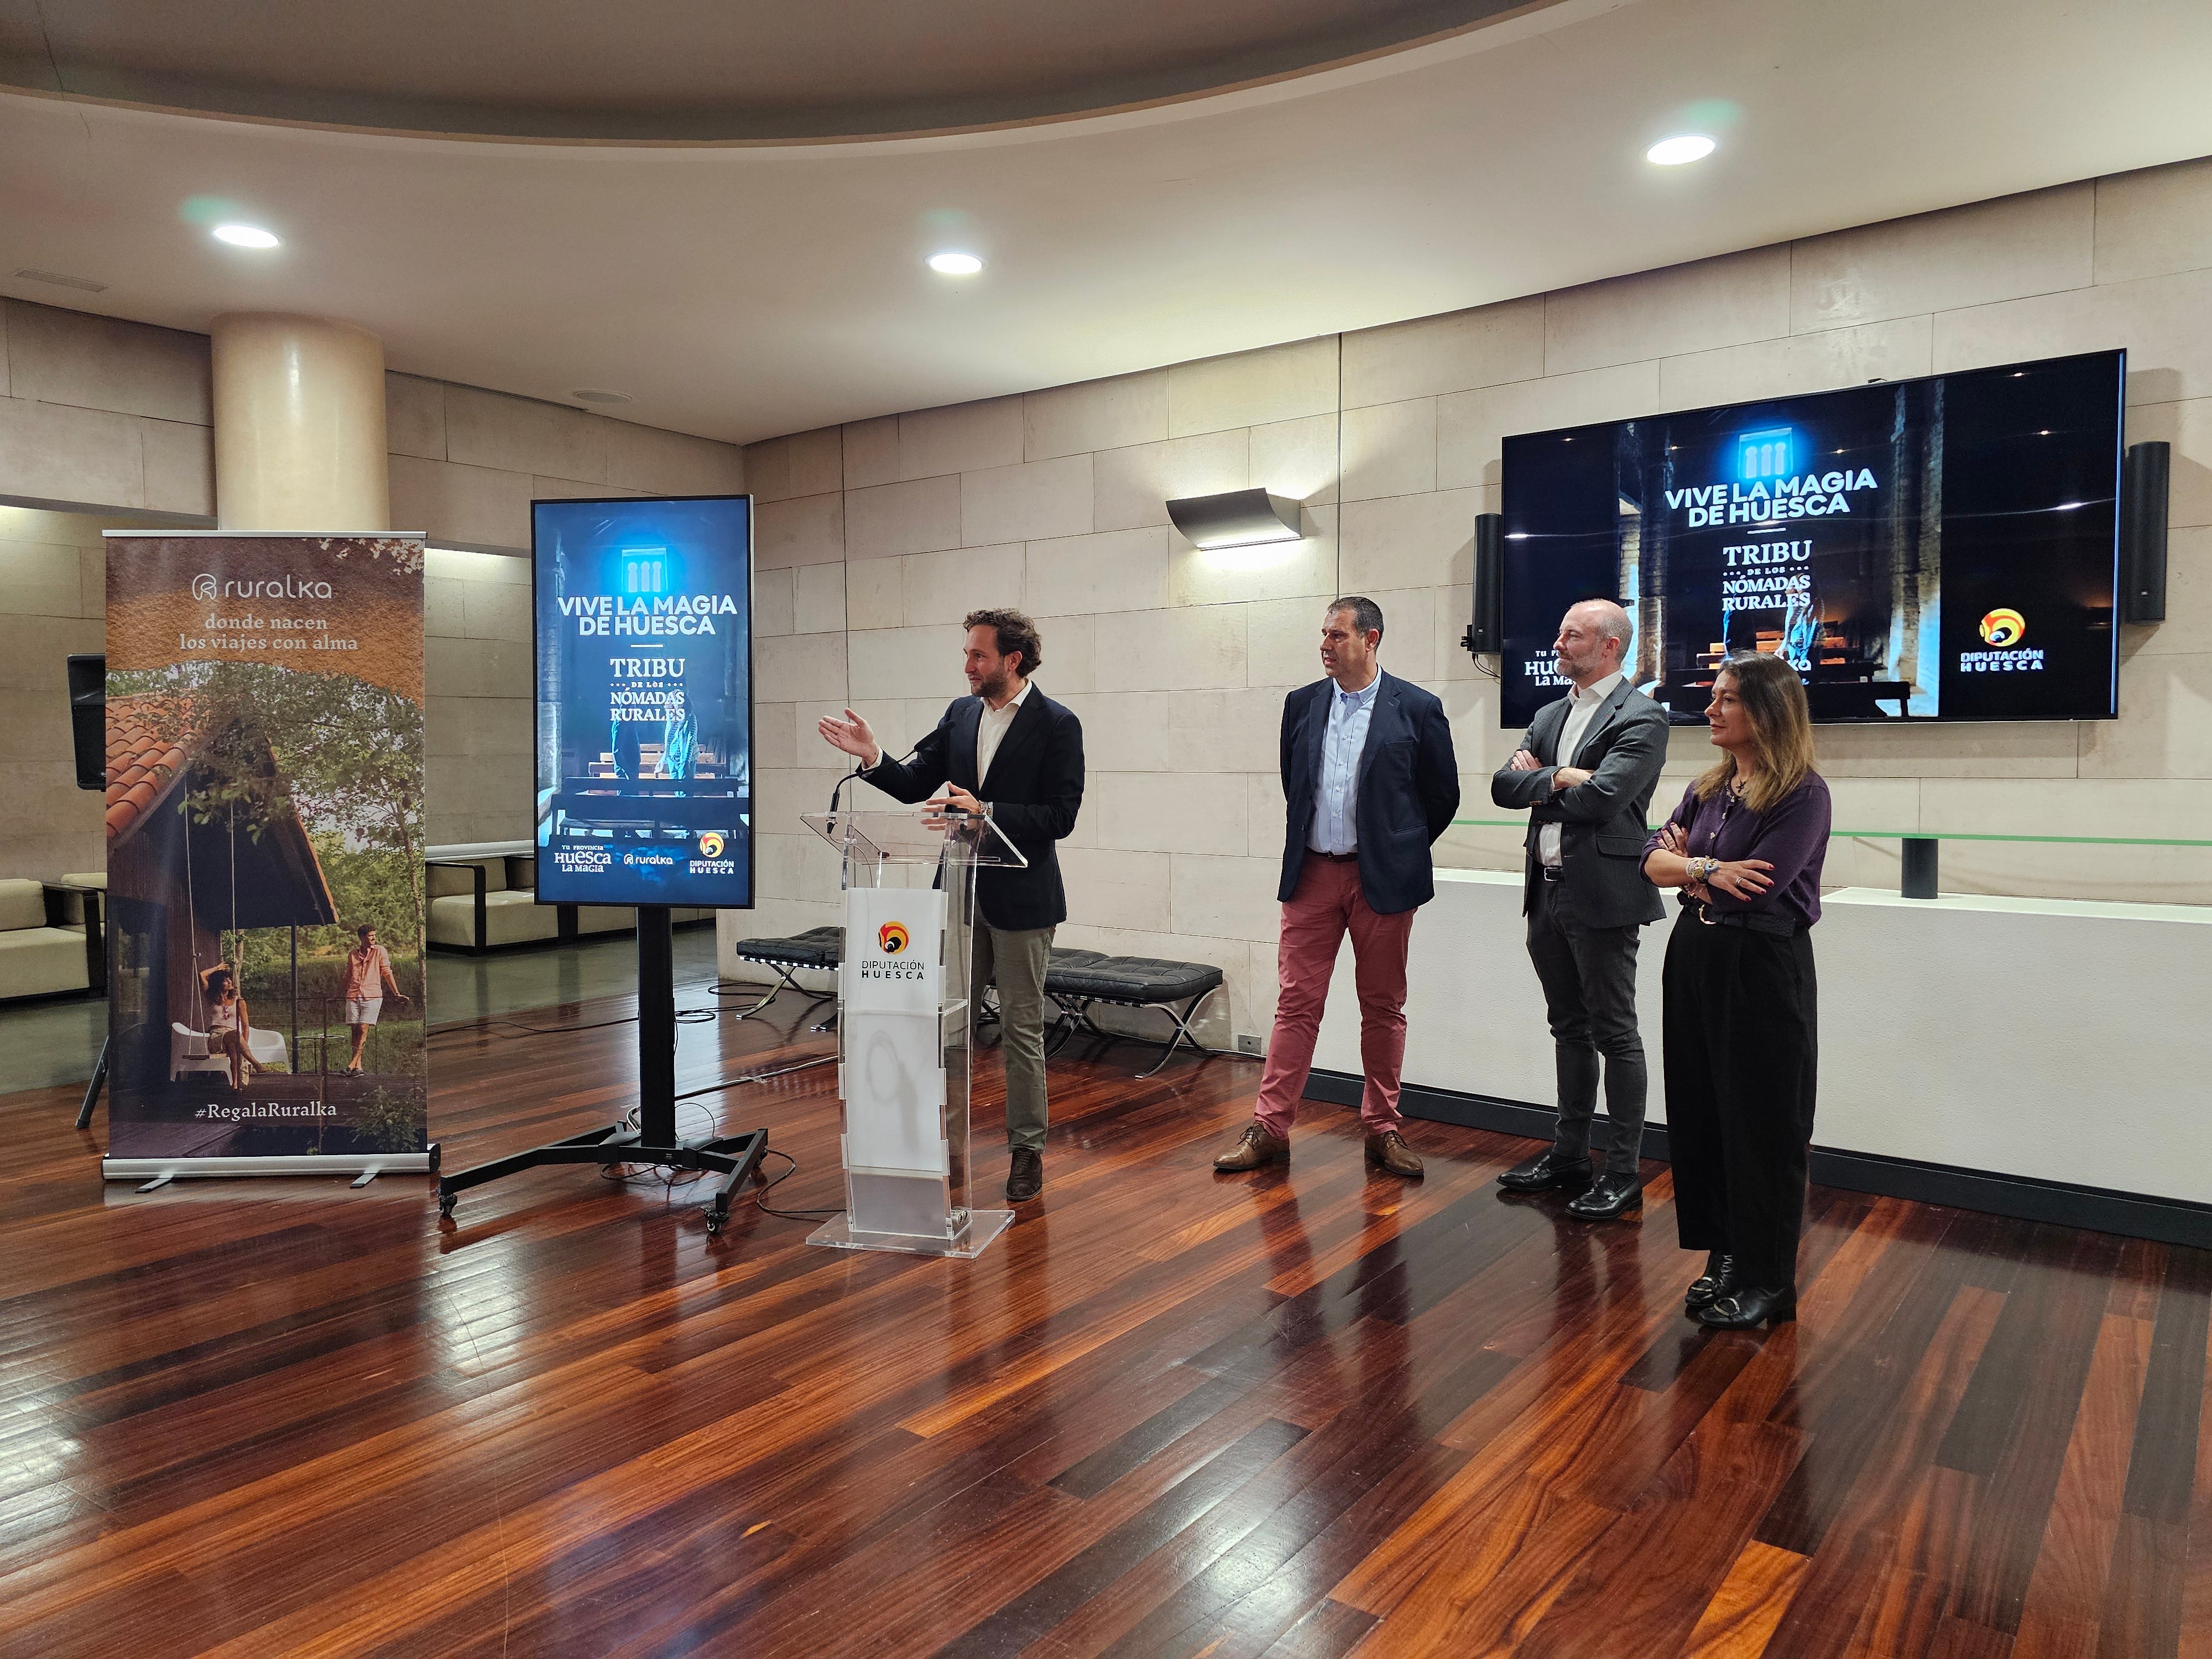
[595,395]
[245,236]
[1672,152]
[955,265]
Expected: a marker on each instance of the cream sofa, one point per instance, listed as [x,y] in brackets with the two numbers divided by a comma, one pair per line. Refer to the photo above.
[40,954]
[486,903]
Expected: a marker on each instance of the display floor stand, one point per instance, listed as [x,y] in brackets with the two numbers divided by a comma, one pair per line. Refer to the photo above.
[654,1141]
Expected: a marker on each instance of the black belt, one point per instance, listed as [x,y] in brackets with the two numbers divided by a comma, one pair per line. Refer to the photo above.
[1553,872]
[1759,922]
[1351,857]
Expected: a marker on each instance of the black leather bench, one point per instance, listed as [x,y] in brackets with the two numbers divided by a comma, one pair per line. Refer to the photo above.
[1075,981]
[1132,982]
[819,948]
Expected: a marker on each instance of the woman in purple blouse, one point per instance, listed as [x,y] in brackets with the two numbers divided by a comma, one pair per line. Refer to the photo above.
[1741,1024]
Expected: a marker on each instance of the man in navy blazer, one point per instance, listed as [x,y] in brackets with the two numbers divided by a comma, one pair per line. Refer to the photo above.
[1013,747]
[1369,782]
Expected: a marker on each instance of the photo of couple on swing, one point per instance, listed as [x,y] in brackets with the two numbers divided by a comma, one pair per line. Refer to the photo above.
[368,982]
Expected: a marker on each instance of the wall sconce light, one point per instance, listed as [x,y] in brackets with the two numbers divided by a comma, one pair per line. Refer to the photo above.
[1237,517]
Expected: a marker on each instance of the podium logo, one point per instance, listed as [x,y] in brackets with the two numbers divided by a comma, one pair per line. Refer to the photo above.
[2002,627]
[711,843]
[892,936]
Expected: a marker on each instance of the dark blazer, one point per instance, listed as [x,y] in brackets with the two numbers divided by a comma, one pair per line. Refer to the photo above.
[1602,830]
[1403,797]
[1035,791]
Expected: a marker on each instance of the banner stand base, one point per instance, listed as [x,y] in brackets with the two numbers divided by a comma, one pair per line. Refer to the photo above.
[160,1171]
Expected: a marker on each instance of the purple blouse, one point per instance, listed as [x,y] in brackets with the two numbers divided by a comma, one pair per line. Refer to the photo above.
[1792,836]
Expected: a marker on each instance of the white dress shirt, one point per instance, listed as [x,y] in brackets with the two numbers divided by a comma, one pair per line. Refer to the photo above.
[1581,709]
[1336,811]
[991,732]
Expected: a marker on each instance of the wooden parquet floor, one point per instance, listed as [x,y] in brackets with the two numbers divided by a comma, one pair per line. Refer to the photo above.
[1311,1413]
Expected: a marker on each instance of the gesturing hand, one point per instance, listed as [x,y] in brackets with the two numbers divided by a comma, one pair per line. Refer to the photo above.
[853,735]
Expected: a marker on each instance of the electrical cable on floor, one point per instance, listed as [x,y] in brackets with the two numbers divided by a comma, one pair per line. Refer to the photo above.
[758,1077]
[760,1194]
[684,1016]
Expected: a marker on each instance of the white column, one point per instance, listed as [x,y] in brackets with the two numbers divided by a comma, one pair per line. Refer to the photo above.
[299,425]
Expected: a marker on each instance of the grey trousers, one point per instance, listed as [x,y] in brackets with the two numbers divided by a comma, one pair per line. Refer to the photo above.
[1016,959]
[1588,975]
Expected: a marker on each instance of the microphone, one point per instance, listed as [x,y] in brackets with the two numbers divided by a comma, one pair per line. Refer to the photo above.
[857,770]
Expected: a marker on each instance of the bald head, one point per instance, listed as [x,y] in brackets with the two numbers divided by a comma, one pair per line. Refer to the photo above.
[1593,640]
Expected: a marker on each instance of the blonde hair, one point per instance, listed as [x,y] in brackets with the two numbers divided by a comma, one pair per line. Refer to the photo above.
[1773,700]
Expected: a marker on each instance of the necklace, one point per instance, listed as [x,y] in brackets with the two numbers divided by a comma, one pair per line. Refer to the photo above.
[1730,796]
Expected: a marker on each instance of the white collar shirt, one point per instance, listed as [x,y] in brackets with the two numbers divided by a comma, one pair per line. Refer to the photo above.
[991,730]
[1581,708]
[1336,810]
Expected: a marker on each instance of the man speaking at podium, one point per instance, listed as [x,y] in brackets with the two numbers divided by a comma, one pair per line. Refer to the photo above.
[1014,749]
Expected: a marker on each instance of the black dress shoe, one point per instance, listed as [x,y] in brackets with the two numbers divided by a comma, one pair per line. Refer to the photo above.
[1612,1195]
[1746,1306]
[1720,1268]
[1546,1174]
[1025,1175]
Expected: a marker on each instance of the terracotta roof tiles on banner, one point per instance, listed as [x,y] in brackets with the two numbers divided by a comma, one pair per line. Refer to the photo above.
[147,740]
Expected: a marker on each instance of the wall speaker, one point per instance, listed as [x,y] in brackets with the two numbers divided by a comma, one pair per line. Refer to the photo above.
[1486,634]
[88,695]
[2143,477]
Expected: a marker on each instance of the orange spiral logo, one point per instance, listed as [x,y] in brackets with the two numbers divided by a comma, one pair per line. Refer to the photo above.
[2003,628]
[711,843]
[892,937]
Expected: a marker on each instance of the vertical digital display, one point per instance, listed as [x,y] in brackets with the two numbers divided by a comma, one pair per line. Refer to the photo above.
[644,729]
[1937,549]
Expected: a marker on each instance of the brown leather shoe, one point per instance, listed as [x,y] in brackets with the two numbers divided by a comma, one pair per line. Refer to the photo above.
[1389,1151]
[1256,1148]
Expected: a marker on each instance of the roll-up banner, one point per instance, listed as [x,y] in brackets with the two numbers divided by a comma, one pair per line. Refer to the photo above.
[265,855]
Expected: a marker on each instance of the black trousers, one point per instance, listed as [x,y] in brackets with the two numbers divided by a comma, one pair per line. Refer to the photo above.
[1742,1027]
[1589,976]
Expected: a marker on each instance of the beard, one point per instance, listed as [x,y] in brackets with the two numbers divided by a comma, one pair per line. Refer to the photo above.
[994,686]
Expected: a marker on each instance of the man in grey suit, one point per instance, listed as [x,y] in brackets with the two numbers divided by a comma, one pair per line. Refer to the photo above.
[1586,770]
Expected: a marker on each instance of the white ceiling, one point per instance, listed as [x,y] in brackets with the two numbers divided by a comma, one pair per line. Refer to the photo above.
[740,292]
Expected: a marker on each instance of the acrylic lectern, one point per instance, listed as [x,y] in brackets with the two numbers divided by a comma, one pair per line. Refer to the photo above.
[905,1027]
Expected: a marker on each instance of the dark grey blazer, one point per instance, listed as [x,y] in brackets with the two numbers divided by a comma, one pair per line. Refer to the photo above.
[1602,829]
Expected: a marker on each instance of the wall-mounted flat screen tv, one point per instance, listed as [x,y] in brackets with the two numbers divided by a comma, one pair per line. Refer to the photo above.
[1942,548]
[645,716]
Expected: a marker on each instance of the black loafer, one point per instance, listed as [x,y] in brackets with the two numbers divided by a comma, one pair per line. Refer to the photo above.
[1746,1306]
[1025,1174]
[1720,1271]
[1612,1195]
[1549,1173]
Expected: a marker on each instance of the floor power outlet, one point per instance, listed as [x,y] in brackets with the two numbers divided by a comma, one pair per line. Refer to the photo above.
[1249,1042]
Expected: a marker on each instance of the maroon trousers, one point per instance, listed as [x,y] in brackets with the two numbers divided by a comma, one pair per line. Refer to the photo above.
[1327,905]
